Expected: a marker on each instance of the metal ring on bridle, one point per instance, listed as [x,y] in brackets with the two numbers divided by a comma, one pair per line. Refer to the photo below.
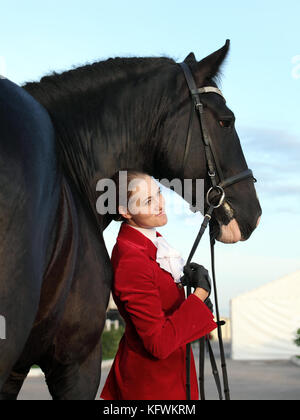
[221,199]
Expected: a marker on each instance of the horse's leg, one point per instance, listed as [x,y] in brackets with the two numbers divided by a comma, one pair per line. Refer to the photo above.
[29,195]
[76,381]
[13,384]
[56,287]
[73,368]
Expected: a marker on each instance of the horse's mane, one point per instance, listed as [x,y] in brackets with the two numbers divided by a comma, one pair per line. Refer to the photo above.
[84,106]
[96,76]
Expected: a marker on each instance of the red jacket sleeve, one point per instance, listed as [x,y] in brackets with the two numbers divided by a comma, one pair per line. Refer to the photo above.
[135,286]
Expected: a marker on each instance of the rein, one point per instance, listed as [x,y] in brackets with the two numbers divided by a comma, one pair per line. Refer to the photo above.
[214,169]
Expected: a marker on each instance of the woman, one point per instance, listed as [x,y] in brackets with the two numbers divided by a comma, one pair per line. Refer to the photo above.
[151,360]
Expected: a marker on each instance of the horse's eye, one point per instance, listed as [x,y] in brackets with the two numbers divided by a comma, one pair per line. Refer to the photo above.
[226,123]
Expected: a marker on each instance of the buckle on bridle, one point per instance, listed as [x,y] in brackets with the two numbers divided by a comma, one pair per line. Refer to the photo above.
[221,199]
[198,105]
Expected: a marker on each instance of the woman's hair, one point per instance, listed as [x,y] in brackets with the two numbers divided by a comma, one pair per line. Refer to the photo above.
[131,174]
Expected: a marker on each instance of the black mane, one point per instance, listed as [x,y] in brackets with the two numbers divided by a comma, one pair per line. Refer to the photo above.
[86,107]
[84,79]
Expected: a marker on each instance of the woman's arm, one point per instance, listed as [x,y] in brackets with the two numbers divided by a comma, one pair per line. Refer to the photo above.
[161,335]
[201,293]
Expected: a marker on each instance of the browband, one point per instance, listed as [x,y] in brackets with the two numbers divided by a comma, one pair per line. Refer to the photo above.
[208,89]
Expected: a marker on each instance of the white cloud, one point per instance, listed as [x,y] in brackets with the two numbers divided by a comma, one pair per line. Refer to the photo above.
[274,156]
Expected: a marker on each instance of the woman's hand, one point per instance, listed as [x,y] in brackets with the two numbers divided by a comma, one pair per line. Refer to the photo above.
[196,276]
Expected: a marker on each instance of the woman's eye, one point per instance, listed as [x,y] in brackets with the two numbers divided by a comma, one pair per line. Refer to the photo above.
[149,201]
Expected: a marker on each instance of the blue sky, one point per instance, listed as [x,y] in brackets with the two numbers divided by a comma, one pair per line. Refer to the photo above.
[261,82]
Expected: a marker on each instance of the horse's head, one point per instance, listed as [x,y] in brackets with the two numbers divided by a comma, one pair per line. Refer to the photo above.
[239,214]
[136,113]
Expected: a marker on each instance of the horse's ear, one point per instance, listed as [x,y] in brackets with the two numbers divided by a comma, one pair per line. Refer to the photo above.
[210,66]
[189,59]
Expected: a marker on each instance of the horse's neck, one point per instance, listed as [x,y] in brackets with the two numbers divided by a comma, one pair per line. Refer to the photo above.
[96,146]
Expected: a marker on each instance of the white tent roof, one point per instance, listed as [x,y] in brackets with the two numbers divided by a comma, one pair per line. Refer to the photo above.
[265,320]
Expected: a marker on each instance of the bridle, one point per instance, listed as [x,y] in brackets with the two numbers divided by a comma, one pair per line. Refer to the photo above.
[214,172]
[214,167]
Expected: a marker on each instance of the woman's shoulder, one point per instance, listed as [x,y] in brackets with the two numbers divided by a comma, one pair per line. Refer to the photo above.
[126,252]
[132,268]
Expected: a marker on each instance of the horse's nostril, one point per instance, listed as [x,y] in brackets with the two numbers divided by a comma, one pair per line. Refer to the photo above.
[258,220]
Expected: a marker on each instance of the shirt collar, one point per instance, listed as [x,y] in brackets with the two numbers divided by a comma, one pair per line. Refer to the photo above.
[150,233]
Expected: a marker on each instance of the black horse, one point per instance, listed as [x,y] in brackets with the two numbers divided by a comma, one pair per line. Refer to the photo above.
[58,138]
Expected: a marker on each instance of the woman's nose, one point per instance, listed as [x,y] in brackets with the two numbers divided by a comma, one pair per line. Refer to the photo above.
[161,203]
[158,206]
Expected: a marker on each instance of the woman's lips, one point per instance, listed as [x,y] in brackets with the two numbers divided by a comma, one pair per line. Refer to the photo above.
[162,213]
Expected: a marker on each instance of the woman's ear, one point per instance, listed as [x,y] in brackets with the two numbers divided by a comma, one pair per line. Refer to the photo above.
[124,212]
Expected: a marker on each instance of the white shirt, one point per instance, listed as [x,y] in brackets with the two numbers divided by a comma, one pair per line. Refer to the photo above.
[167,257]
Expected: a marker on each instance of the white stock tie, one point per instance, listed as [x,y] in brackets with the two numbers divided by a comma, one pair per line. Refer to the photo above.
[169,258]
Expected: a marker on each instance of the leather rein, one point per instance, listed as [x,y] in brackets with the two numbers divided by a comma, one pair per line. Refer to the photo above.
[214,170]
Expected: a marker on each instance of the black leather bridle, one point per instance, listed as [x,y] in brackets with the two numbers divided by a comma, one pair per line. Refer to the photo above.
[214,168]
[214,172]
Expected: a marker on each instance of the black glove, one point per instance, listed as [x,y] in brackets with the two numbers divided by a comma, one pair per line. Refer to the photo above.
[196,276]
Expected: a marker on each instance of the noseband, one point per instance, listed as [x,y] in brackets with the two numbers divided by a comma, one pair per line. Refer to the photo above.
[214,170]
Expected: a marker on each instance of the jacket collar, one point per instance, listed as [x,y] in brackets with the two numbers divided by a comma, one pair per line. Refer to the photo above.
[134,236]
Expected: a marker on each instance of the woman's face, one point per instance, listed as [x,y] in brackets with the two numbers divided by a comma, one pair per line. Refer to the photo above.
[146,206]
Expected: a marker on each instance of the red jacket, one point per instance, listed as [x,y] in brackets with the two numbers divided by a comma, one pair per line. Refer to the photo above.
[150,363]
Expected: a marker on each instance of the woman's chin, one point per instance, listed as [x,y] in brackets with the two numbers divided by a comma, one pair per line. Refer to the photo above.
[162,219]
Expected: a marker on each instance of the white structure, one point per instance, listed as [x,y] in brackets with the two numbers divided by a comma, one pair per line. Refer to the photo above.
[111,303]
[109,324]
[226,330]
[264,321]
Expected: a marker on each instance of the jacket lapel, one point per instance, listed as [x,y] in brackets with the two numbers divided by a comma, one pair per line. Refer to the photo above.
[136,238]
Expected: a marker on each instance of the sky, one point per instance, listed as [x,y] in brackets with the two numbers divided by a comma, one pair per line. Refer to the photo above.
[261,83]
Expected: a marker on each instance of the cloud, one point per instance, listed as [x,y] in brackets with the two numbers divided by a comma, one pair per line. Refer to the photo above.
[269,140]
[274,156]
